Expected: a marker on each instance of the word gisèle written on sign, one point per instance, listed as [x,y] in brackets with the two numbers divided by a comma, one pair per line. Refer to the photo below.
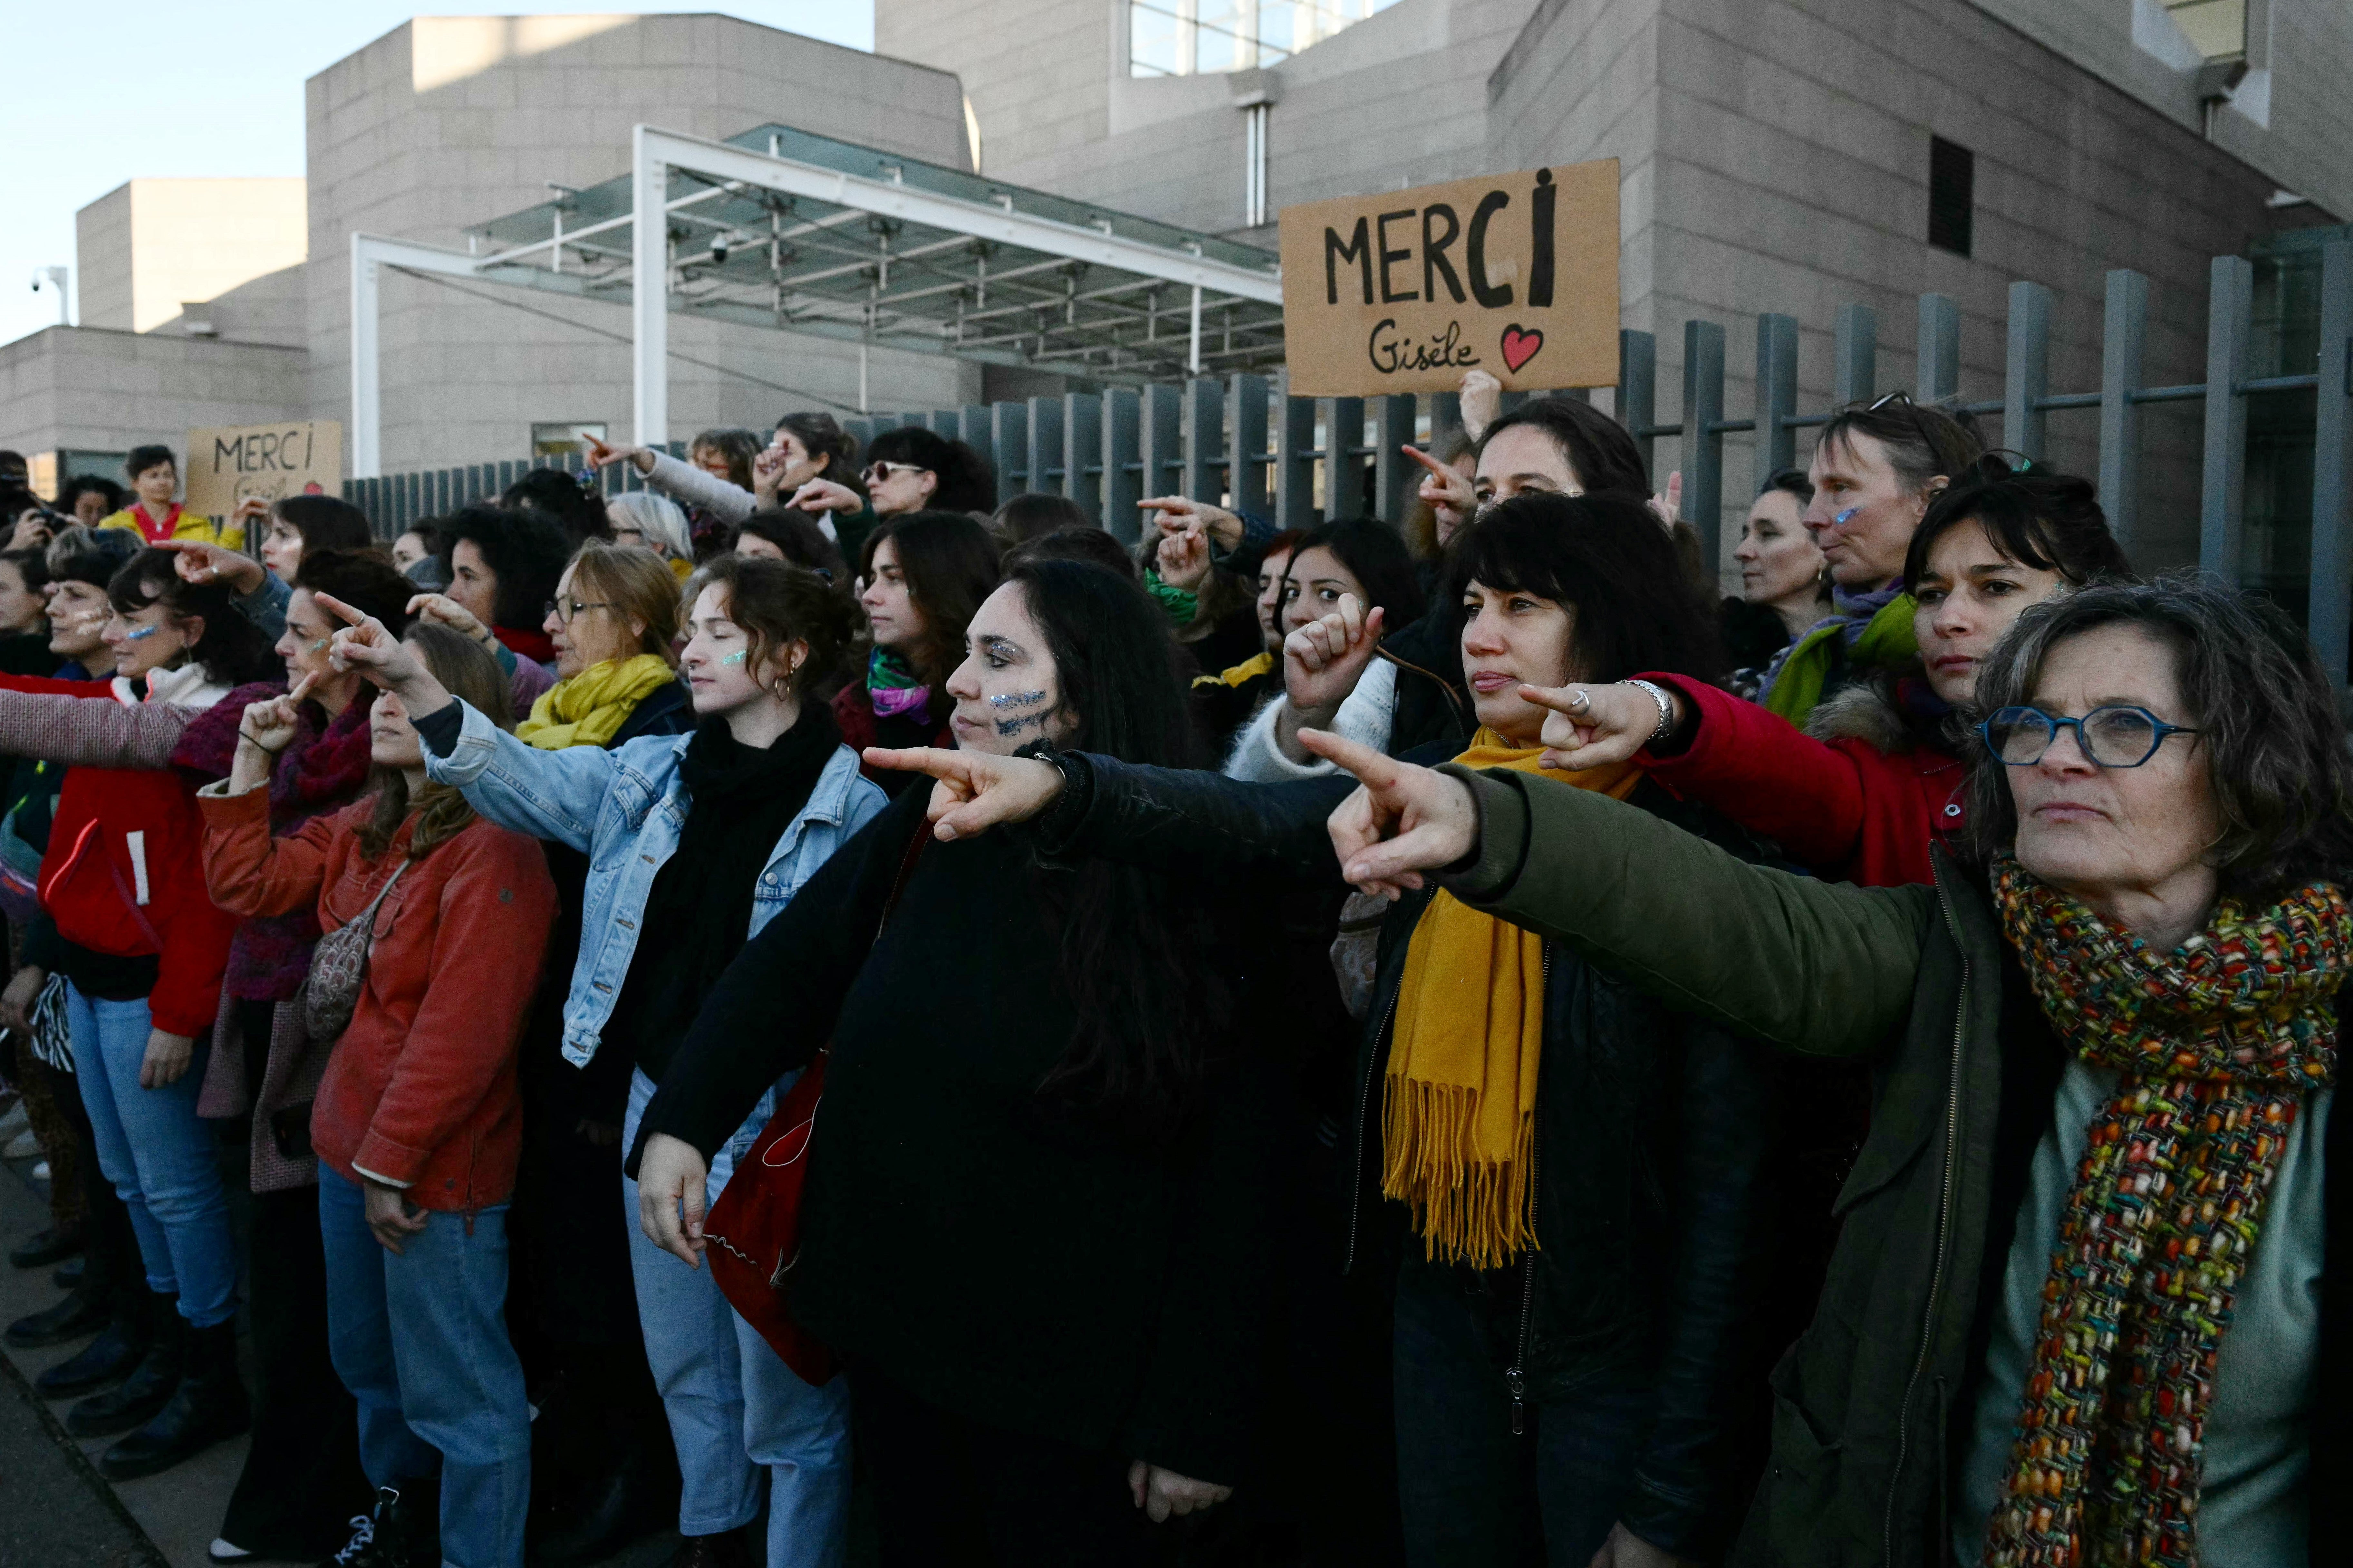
[1404,291]
[230,463]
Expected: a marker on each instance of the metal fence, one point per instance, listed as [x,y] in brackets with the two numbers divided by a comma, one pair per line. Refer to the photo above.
[1243,440]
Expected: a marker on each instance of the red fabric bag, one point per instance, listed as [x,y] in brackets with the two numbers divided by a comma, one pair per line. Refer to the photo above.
[755,1228]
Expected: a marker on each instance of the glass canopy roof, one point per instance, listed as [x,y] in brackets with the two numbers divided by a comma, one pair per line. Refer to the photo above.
[744,253]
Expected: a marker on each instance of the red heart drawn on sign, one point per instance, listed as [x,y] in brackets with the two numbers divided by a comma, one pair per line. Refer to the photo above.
[1520,345]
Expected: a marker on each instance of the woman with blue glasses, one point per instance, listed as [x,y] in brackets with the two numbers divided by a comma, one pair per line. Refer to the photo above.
[2086,1302]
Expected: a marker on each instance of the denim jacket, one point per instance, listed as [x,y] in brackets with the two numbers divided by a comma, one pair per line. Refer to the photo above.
[624,808]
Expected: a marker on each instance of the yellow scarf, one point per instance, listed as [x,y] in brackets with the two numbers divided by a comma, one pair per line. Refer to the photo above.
[1459,1114]
[590,709]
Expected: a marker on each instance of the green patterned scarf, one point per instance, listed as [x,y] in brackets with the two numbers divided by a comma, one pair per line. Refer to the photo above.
[2217,1044]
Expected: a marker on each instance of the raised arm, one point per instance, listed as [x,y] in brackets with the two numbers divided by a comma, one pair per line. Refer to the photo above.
[548,794]
[1819,967]
[81,725]
[690,486]
[250,872]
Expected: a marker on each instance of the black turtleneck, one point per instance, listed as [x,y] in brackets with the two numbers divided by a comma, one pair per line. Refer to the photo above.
[740,801]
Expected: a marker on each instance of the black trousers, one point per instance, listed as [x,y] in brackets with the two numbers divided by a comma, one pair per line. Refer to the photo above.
[950,1490]
[302,1481]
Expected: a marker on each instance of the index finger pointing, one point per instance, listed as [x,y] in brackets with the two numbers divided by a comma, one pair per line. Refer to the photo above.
[938,762]
[303,687]
[1354,756]
[1428,461]
[1571,700]
[337,607]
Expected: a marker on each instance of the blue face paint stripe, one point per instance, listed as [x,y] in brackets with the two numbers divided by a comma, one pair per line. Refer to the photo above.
[735,658]
[1017,700]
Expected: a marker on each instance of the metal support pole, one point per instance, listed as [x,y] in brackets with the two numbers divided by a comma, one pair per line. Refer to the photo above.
[2223,484]
[1246,476]
[1082,448]
[1160,441]
[649,291]
[1010,449]
[367,409]
[1295,471]
[2026,370]
[1776,394]
[1204,430]
[1122,479]
[1637,393]
[2123,333]
[1392,483]
[1343,471]
[1703,446]
[2330,616]
[1940,375]
[1043,447]
[1855,356]
[1445,413]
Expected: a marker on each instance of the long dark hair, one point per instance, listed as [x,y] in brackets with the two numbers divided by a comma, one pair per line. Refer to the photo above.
[232,650]
[1607,559]
[1147,1010]
[778,604]
[951,565]
[1378,556]
[1600,451]
[2049,521]
[469,674]
[966,482]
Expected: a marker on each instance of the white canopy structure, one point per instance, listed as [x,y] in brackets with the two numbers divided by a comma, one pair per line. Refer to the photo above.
[794,232]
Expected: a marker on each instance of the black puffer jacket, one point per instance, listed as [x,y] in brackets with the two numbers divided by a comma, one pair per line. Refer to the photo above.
[1653,1135]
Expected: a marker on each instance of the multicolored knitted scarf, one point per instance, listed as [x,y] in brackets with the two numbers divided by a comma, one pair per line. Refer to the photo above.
[2217,1044]
[894,688]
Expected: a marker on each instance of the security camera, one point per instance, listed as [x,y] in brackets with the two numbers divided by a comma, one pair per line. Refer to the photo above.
[719,252]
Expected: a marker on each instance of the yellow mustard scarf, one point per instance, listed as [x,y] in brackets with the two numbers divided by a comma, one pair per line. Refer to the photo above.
[590,709]
[1458,1111]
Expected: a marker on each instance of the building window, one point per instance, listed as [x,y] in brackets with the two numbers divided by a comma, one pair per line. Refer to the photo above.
[1192,37]
[2215,28]
[1952,195]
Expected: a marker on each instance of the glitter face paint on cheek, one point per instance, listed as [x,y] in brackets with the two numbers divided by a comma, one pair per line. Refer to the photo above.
[736,658]
[142,634]
[1017,700]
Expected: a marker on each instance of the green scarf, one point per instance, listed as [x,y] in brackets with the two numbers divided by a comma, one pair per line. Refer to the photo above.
[2217,1043]
[1884,643]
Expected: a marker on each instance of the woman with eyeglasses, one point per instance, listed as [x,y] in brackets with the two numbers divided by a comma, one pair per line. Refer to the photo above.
[1877,776]
[925,573]
[2086,1304]
[1875,470]
[611,626]
[1406,689]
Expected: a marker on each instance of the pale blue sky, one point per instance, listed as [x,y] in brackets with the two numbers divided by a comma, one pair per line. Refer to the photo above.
[174,89]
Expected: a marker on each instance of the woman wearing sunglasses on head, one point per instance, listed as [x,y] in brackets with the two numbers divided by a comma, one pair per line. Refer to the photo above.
[2086,1278]
[907,469]
[1874,471]
[1877,776]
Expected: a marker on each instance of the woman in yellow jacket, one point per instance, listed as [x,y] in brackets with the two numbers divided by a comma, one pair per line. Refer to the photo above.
[154,479]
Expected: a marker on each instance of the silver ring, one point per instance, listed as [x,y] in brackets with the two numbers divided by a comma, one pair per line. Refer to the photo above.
[1582,701]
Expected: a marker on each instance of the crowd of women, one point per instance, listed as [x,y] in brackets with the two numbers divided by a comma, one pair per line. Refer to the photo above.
[1439,1040]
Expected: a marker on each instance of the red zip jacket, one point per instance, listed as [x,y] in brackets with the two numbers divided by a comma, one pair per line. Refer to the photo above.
[1843,807]
[121,874]
[420,1092]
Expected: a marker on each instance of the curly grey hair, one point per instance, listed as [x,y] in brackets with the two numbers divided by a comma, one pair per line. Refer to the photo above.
[2273,732]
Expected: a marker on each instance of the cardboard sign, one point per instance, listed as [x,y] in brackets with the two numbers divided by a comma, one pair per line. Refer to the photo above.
[1402,291]
[236,463]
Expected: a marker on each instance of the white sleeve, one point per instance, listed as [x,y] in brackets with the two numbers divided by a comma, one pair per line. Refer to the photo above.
[1367,716]
[690,486]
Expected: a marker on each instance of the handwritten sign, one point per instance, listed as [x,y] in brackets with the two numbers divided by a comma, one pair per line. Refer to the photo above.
[234,463]
[1404,291]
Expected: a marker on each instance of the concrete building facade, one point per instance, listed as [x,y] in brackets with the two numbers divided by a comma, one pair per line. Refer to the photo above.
[1774,155]
[441,123]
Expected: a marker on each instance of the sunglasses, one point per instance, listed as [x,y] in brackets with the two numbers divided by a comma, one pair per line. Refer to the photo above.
[880,471]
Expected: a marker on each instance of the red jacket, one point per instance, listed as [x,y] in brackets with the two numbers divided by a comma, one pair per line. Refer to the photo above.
[1844,808]
[421,1090]
[122,874]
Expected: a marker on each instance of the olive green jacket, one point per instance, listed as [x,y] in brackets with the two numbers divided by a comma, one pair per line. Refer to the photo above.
[1908,975]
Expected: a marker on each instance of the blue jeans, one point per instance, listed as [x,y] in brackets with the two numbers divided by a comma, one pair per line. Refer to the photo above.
[158,1154]
[735,1407]
[420,1338]
[1472,1492]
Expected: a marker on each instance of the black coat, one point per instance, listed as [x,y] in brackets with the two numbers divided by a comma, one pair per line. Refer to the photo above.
[1015,1266]
[1652,1143]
